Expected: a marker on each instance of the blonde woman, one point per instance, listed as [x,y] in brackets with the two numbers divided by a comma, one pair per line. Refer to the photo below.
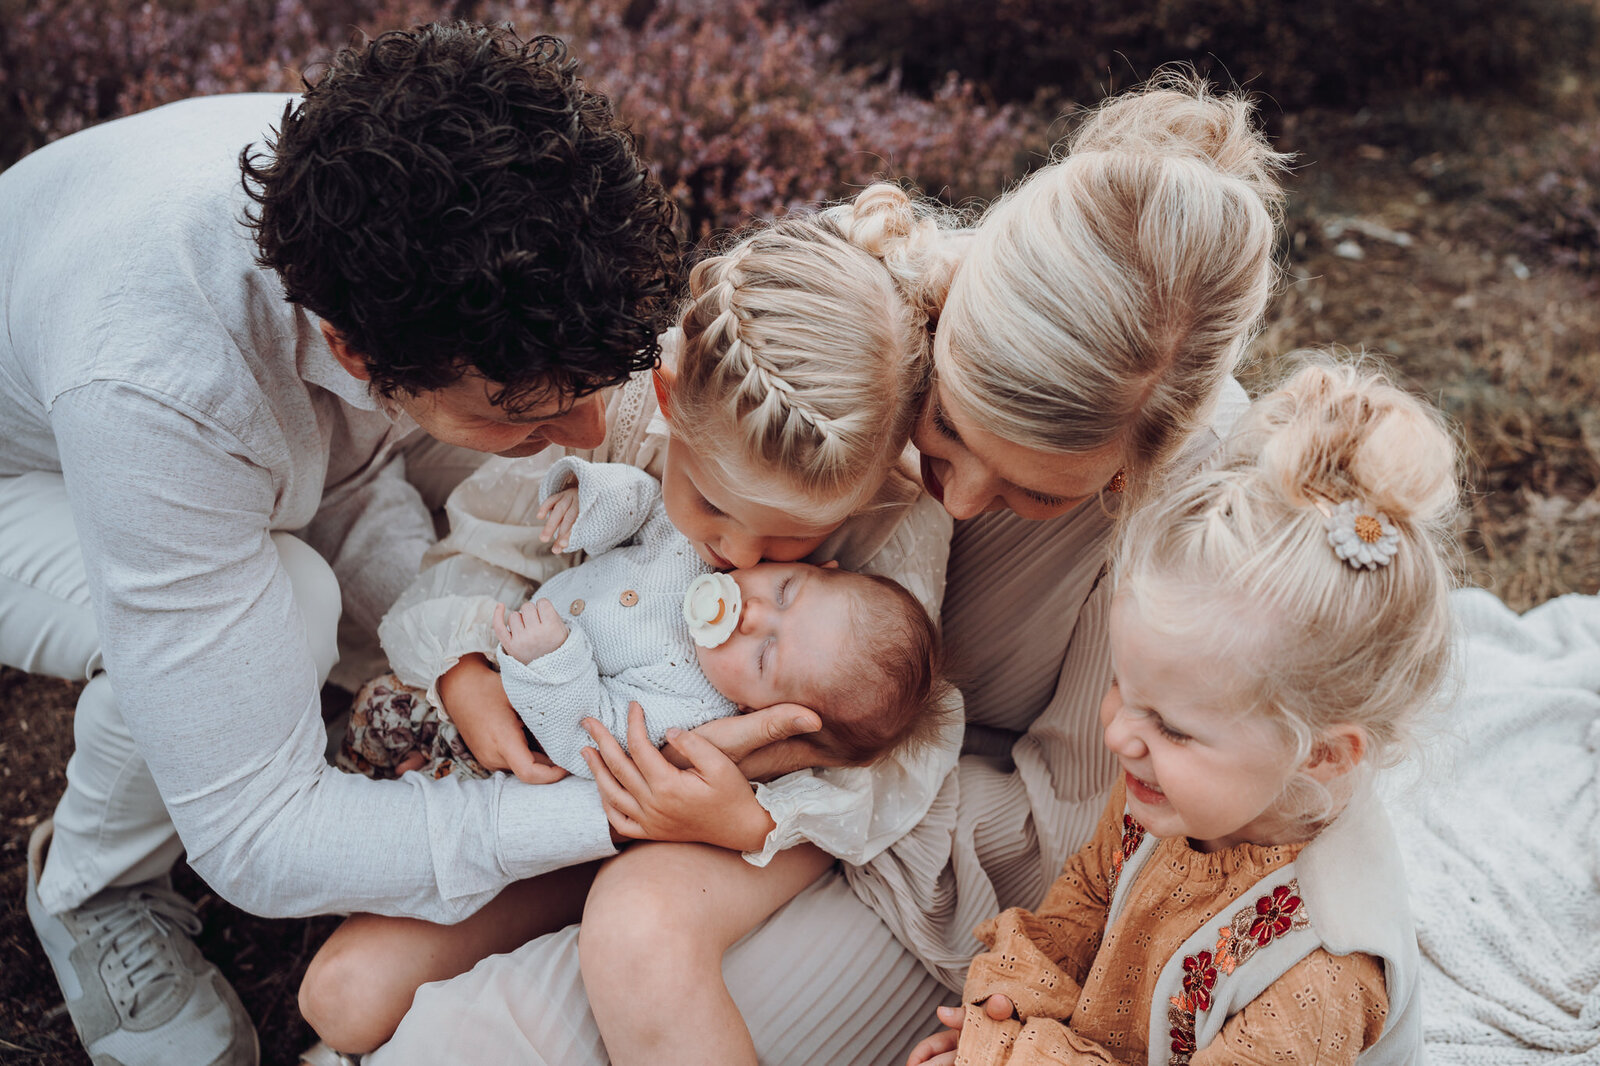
[1087,343]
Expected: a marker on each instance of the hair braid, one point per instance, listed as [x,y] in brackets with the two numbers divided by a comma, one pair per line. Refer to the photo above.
[804,354]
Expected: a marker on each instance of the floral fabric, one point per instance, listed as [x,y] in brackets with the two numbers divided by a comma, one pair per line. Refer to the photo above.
[1274,914]
[391,721]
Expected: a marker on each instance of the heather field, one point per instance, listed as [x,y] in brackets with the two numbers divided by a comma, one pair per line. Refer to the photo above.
[1444,214]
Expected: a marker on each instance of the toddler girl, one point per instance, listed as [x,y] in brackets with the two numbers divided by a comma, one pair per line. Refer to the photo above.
[786,398]
[1278,622]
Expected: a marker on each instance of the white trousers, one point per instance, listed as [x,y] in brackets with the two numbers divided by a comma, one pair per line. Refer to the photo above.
[823,981]
[111,826]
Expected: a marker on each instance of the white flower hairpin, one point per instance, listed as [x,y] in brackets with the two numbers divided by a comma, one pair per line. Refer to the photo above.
[1364,538]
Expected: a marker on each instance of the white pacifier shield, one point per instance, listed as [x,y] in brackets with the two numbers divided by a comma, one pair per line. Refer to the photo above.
[711,607]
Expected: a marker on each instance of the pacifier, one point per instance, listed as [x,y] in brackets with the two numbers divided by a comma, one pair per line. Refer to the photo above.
[711,607]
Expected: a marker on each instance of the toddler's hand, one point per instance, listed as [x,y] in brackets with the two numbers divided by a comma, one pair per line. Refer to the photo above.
[531,632]
[559,512]
[940,1048]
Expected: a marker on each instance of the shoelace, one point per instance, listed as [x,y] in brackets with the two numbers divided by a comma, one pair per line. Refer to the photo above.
[137,927]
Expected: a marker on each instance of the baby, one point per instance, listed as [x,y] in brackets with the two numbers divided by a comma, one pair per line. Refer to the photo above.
[645,619]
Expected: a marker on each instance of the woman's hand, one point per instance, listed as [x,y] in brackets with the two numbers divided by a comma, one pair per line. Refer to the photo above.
[647,798]
[764,743]
[940,1048]
[476,702]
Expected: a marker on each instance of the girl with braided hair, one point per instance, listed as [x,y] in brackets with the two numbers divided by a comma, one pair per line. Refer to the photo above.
[776,425]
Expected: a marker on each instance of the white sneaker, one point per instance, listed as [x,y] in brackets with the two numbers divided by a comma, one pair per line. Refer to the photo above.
[320,1054]
[138,990]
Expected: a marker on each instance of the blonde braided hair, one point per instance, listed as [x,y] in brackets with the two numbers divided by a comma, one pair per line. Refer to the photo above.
[804,348]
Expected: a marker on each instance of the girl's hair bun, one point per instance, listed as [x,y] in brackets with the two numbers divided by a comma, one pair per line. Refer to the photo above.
[1337,432]
[1176,113]
[909,236]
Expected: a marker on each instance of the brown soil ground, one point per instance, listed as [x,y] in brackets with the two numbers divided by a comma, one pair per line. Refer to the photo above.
[1486,324]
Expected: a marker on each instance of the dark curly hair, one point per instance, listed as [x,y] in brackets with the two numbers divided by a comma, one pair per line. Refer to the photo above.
[454,198]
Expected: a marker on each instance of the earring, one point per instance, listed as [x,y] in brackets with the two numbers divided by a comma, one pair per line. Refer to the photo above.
[1118,482]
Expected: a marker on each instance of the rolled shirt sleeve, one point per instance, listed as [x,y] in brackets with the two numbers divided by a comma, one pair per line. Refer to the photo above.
[207,651]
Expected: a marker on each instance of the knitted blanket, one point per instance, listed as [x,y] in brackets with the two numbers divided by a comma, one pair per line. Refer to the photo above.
[1503,848]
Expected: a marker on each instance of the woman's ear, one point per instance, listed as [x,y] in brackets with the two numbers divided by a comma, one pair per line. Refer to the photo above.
[1336,753]
[347,357]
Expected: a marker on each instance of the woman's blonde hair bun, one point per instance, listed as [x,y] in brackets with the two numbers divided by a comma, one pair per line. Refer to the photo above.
[1104,301]
[1175,113]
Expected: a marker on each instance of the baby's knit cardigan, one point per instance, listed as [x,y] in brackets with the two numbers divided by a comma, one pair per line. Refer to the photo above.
[623,608]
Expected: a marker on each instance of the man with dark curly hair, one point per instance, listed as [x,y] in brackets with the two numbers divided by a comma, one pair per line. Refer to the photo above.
[447,231]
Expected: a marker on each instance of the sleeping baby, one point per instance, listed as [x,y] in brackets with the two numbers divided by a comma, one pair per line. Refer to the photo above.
[644,619]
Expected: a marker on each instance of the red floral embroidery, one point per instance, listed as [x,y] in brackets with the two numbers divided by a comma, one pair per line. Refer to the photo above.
[1199,977]
[1132,837]
[1182,1033]
[1278,912]
[1274,914]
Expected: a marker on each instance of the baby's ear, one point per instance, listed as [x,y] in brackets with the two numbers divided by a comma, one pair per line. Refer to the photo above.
[1336,753]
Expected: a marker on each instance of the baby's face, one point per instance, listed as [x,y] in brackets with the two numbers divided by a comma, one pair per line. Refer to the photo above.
[793,632]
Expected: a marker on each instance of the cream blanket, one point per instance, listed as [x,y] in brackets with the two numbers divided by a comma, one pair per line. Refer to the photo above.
[1503,851]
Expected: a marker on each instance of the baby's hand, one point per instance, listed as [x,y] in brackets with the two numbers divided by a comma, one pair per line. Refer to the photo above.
[531,632]
[559,512]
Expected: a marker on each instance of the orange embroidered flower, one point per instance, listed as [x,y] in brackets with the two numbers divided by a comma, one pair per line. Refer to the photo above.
[1182,1032]
[1224,957]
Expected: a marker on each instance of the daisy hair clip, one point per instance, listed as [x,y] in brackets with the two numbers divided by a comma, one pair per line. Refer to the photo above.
[1363,537]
